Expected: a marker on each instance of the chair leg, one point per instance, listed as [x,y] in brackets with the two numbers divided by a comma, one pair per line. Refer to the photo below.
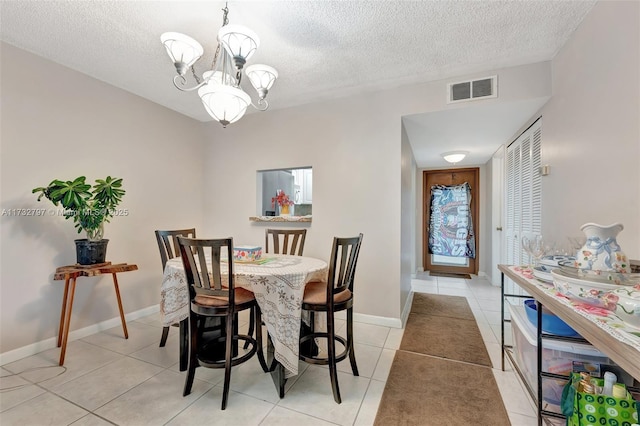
[193,355]
[259,348]
[227,362]
[331,349]
[352,355]
[165,334]
[184,344]
[251,327]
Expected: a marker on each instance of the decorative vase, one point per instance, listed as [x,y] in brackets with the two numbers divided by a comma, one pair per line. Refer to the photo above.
[284,210]
[601,252]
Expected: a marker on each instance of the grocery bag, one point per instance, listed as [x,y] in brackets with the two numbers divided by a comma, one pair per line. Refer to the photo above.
[585,409]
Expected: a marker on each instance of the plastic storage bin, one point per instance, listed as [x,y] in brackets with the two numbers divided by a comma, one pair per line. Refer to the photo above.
[557,357]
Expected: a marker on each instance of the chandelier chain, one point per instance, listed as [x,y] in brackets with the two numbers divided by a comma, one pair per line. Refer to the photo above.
[225,21]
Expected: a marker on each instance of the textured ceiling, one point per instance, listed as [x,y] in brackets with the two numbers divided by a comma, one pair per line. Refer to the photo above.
[322,49]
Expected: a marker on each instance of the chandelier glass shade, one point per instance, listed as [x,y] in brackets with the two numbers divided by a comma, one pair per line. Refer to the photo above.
[182,49]
[225,103]
[240,42]
[219,88]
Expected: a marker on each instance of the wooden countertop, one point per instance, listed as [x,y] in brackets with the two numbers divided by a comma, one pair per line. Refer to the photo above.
[280,218]
[622,354]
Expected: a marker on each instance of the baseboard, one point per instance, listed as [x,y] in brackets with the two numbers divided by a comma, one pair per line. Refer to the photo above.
[52,342]
[407,308]
[376,320]
[372,319]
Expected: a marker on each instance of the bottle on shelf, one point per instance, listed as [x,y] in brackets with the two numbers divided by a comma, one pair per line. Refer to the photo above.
[609,380]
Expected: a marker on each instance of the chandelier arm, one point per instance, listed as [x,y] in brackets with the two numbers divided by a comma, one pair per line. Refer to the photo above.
[263,105]
[180,83]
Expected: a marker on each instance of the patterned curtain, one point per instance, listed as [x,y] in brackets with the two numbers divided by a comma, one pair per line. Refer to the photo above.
[451,227]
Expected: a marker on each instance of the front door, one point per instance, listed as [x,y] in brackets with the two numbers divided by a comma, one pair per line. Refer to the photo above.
[449,177]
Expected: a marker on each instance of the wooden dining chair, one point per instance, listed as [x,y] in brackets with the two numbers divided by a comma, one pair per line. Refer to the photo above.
[214,294]
[336,294]
[285,241]
[168,246]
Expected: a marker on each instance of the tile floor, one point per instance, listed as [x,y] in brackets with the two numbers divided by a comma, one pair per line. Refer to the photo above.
[109,380]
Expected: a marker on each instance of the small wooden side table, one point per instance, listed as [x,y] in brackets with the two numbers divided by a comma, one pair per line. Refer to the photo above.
[70,274]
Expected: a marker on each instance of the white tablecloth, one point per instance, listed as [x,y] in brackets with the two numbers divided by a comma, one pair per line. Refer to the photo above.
[278,286]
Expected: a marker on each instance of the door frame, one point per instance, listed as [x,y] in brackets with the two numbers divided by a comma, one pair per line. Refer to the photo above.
[426,210]
[497,213]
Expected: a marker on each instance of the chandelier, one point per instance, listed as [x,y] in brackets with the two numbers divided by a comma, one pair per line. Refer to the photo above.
[219,88]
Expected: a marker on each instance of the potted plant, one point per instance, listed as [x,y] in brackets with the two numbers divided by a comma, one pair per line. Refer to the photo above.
[89,207]
[283,201]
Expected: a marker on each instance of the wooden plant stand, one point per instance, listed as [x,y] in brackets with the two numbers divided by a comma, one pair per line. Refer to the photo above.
[70,274]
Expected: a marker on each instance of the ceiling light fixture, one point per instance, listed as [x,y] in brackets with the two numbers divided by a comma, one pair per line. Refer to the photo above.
[454,156]
[219,88]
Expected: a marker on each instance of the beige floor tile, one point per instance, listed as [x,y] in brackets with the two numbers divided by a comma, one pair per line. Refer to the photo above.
[421,286]
[91,420]
[81,358]
[513,396]
[165,356]
[520,420]
[155,320]
[140,336]
[153,402]
[493,304]
[374,335]
[366,359]
[370,403]
[43,409]
[312,395]
[394,338]
[444,289]
[249,379]
[241,410]
[98,387]
[384,365]
[15,390]
[281,416]
[493,318]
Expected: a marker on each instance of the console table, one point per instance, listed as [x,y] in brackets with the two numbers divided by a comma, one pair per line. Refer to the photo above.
[70,274]
[624,352]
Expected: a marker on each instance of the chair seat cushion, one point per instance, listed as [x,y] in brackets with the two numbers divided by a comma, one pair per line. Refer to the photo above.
[315,293]
[242,296]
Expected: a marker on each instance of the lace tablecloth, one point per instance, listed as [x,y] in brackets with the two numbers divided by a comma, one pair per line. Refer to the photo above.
[278,285]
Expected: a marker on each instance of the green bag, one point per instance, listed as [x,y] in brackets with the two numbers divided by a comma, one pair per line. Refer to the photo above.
[583,409]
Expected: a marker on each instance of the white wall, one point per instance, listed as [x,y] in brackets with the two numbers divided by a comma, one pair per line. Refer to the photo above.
[591,128]
[57,123]
[355,148]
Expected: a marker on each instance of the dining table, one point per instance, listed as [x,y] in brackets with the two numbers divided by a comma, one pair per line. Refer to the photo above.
[278,283]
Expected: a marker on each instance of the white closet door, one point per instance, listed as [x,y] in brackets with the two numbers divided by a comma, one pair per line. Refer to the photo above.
[524,193]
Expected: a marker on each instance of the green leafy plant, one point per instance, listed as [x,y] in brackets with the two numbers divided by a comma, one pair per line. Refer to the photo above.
[89,207]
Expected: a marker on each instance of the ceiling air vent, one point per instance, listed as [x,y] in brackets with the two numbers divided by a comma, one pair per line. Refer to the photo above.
[474,89]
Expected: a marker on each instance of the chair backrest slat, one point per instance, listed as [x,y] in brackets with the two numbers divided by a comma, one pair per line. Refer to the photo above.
[342,266]
[168,243]
[292,241]
[206,278]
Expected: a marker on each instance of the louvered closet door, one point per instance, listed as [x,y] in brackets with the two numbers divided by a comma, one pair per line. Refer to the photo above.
[523,198]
